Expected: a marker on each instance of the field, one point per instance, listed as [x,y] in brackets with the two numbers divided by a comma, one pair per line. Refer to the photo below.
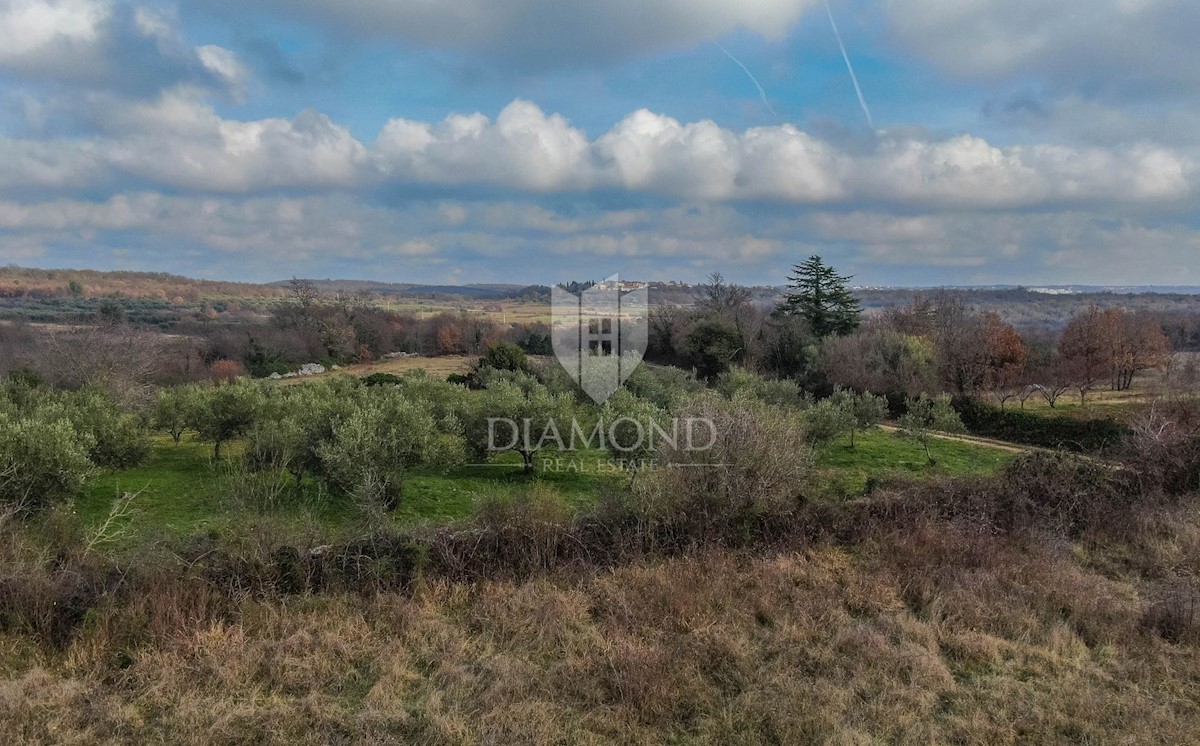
[180,491]
[505,312]
[439,367]
[1099,404]
[879,454]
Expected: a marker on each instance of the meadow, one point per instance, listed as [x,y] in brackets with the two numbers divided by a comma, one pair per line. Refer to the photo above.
[180,491]
[440,367]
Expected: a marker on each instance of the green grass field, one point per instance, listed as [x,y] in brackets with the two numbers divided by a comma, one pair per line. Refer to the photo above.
[180,491]
[878,454]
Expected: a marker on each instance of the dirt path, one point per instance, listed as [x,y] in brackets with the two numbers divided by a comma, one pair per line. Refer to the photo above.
[999,445]
[1004,445]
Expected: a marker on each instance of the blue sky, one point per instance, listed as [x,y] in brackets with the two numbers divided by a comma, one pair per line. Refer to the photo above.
[535,141]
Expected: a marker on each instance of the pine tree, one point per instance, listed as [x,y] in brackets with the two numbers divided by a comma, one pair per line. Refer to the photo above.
[821,298]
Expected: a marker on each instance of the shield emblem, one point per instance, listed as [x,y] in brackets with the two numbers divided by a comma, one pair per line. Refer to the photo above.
[600,335]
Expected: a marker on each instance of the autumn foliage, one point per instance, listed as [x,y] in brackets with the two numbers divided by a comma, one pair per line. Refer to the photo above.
[1110,345]
[224,371]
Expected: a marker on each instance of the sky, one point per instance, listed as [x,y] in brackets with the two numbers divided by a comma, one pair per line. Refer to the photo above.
[542,141]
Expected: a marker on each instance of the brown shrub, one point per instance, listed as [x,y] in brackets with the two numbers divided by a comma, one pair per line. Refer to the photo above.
[1164,449]
[225,371]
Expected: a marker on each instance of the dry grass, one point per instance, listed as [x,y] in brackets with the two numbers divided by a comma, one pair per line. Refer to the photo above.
[439,367]
[938,635]
[502,311]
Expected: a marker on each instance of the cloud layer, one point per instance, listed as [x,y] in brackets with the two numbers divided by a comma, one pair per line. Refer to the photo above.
[187,138]
[1103,46]
[178,141]
[541,34]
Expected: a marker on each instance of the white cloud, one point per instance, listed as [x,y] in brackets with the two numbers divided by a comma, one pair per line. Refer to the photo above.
[522,239]
[32,164]
[1128,46]
[225,65]
[30,26]
[179,141]
[1069,246]
[968,171]
[540,34]
[523,148]
[647,152]
[103,44]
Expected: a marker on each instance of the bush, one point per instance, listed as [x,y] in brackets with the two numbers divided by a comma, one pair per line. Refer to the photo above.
[505,356]
[524,533]
[370,451]
[41,461]
[382,379]
[117,439]
[737,382]
[1037,430]
[628,421]
[760,470]
[667,387]
[1063,493]
[225,371]
[1164,448]
[827,421]
[499,359]
[535,343]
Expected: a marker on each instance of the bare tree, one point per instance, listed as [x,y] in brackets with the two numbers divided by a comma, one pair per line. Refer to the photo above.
[719,297]
[1027,392]
[1137,344]
[121,359]
[1085,354]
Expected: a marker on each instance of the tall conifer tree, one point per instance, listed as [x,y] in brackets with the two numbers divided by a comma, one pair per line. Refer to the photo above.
[820,296]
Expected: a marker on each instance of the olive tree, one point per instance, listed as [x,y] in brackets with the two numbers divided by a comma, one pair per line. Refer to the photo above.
[520,415]
[827,421]
[737,382]
[371,451]
[629,424]
[41,461]
[226,411]
[927,416]
[115,437]
[118,439]
[172,411]
[296,420]
[867,410]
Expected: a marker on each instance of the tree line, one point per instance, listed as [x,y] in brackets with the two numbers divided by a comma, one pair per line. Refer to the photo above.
[937,343]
